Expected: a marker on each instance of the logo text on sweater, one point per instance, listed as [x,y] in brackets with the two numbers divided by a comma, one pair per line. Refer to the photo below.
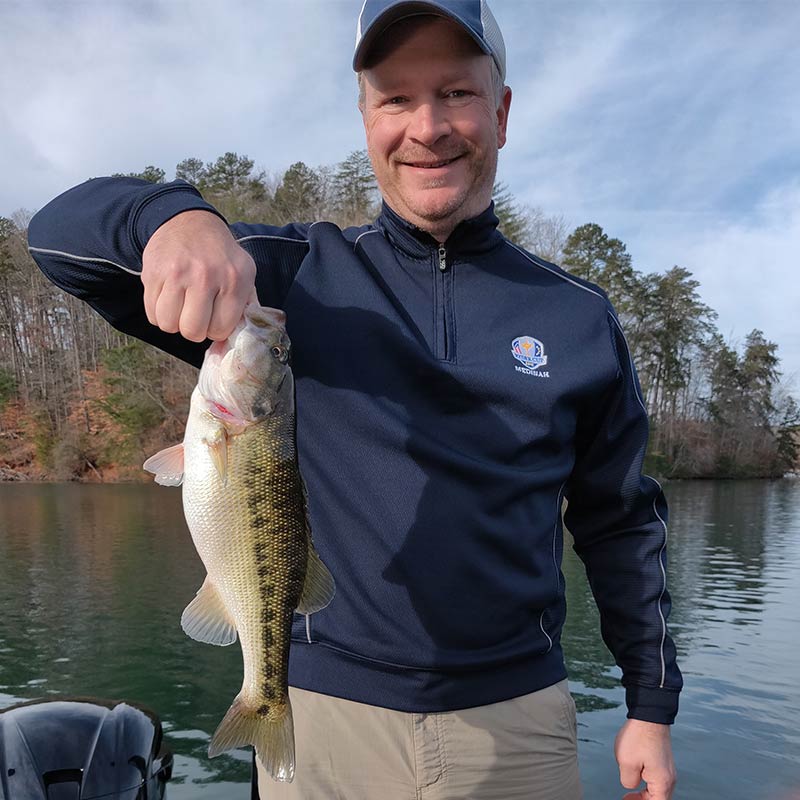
[531,353]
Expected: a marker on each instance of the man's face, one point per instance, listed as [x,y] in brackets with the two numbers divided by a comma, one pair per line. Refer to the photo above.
[433,125]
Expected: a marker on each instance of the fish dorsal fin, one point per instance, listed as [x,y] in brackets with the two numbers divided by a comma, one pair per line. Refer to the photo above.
[167,465]
[206,619]
[319,587]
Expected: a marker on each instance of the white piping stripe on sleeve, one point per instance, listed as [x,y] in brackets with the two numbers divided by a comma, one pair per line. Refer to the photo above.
[555,563]
[83,258]
[308,628]
[655,511]
[267,236]
[663,587]
[541,625]
[553,272]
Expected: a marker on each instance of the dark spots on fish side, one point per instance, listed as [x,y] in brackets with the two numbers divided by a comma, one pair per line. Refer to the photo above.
[262,710]
[269,670]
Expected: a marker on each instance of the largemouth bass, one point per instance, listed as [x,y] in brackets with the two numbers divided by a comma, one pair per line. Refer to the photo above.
[245,505]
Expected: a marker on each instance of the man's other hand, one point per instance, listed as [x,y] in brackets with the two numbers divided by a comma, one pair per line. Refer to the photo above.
[644,753]
[197,279]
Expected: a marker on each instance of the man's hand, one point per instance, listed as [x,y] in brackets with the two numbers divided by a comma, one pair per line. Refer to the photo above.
[197,279]
[644,753]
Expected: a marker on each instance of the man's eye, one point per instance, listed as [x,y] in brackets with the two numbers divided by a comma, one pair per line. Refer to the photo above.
[458,94]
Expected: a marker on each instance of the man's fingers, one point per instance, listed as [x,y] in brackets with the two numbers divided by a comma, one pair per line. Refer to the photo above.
[197,279]
[152,289]
[225,317]
[196,314]
[169,306]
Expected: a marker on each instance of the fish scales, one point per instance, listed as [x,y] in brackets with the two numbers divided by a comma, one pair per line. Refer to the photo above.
[245,505]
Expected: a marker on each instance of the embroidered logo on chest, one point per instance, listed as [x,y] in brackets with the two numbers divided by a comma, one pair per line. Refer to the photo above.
[531,353]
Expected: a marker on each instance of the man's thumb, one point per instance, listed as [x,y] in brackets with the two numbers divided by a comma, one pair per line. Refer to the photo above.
[630,775]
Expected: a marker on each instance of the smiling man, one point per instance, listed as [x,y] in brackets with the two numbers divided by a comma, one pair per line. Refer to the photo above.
[452,392]
[435,117]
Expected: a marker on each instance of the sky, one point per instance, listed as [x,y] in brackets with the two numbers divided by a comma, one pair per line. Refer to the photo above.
[674,125]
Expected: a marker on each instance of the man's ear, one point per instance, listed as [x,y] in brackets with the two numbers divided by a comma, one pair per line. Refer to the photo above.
[502,116]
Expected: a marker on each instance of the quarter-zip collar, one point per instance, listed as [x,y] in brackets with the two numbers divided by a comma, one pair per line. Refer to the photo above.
[476,235]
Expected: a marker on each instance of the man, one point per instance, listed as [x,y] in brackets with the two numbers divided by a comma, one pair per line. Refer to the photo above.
[452,391]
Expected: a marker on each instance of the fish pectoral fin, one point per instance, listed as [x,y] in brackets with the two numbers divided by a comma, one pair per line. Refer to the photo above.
[206,619]
[167,465]
[319,586]
[218,450]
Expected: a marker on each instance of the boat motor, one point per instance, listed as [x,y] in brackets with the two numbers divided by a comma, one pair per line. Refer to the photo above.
[82,749]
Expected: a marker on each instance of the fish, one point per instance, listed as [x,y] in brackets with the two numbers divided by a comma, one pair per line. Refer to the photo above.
[246,507]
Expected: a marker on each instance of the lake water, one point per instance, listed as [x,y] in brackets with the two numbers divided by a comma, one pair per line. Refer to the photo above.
[93,580]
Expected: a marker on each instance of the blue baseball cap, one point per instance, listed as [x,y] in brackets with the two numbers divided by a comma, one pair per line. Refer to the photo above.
[473,16]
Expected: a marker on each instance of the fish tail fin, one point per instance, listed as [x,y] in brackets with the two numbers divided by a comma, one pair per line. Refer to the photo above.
[270,731]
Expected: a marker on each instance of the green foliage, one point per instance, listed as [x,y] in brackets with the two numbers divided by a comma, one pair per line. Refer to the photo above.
[228,173]
[512,222]
[133,379]
[299,195]
[590,254]
[788,438]
[44,437]
[759,374]
[355,190]
[192,170]
[8,386]
[149,173]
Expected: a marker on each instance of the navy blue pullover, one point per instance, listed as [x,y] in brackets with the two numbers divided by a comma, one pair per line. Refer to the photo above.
[449,398]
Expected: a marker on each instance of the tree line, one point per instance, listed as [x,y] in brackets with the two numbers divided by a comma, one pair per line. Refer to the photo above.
[81,400]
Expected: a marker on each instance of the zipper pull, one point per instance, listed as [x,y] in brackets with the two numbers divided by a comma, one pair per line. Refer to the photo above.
[442,258]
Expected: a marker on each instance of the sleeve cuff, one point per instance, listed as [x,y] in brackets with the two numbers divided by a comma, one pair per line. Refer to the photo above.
[652,705]
[160,207]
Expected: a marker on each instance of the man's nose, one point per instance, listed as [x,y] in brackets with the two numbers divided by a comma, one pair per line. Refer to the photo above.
[429,123]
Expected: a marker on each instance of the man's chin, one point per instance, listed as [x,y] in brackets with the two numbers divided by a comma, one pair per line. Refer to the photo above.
[436,209]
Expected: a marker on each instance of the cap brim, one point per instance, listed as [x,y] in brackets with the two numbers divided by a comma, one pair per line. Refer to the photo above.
[401,11]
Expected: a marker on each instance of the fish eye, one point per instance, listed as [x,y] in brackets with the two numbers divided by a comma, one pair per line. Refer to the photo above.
[281,353]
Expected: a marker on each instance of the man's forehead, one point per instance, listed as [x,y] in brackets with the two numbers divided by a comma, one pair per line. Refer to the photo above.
[422,31]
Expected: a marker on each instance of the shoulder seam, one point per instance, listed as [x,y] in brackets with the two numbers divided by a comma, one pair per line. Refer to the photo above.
[630,360]
[269,236]
[536,262]
[83,258]
[355,243]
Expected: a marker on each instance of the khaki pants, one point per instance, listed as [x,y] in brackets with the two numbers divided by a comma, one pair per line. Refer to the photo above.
[519,749]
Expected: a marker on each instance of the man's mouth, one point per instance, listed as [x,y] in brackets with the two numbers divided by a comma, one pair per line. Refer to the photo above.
[431,164]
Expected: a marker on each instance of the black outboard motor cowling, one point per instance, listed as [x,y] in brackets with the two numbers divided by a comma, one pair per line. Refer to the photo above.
[82,749]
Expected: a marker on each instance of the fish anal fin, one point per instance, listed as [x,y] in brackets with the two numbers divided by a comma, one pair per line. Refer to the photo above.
[272,736]
[206,618]
[319,586]
[167,465]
